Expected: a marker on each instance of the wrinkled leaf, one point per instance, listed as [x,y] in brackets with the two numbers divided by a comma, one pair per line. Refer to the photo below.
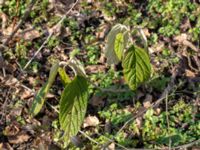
[73,106]
[63,76]
[136,66]
[110,52]
[41,95]
[77,67]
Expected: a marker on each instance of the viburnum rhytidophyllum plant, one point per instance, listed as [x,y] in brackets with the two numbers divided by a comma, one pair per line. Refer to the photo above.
[73,103]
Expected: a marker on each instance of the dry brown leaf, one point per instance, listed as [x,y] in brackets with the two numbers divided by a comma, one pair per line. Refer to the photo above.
[97,101]
[29,34]
[26,94]
[4,19]
[180,38]
[10,81]
[111,146]
[19,138]
[11,130]
[189,73]
[5,146]
[61,6]
[95,68]
[16,112]
[157,47]
[147,101]
[157,111]
[146,32]
[102,31]
[183,39]
[90,121]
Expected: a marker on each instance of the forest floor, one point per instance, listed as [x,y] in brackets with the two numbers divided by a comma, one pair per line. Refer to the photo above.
[163,113]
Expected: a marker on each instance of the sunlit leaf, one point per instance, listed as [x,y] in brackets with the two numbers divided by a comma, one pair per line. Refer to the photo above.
[41,95]
[136,66]
[63,76]
[119,45]
[73,105]
[112,46]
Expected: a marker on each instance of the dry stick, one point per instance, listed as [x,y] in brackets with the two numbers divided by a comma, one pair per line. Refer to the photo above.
[50,35]
[88,137]
[185,146]
[26,14]
[167,118]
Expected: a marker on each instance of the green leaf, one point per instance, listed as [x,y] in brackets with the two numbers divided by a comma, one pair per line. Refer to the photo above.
[73,105]
[119,45]
[136,66]
[64,77]
[41,95]
[113,49]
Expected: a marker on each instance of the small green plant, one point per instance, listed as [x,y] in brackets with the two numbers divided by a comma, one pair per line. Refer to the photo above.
[73,103]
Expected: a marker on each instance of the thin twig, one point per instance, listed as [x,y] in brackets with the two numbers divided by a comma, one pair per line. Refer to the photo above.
[50,35]
[167,118]
[187,145]
[88,137]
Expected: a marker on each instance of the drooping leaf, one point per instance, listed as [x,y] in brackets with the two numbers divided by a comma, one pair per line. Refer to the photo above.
[112,44]
[77,67]
[63,76]
[136,66]
[41,95]
[119,45]
[73,105]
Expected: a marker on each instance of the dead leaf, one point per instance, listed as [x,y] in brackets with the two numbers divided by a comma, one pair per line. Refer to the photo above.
[157,111]
[97,101]
[111,146]
[61,6]
[95,68]
[29,34]
[11,130]
[4,19]
[180,38]
[16,112]
[19,138]
[25,94]
[10,81]
[183,39]
[90,121]
[102,31]
[5,146]
[148,100]
[189,73]
[157,47]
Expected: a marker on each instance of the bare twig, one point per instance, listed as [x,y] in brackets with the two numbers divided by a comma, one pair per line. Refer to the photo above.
[88,137]
[167,118]
[185,146]
[50,35]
